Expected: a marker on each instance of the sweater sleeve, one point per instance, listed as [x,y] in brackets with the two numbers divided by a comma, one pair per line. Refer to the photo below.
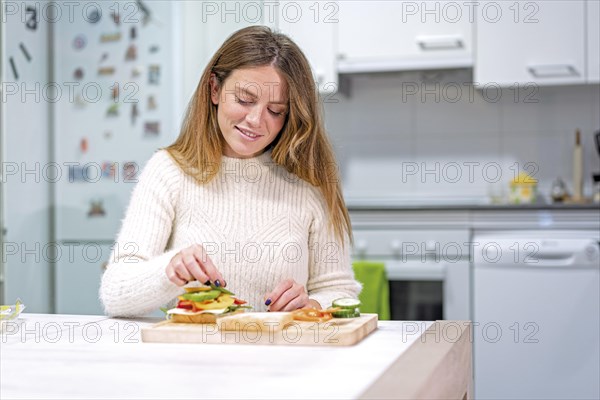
[135,282]
[330,269]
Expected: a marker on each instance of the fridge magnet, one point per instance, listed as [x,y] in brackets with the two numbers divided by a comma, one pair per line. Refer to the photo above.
[110,37]
[154,74]
[131,53]
[93,16]
[25,52]
[113,110]
[116,18]
[32,20]
[129,171]
[132,33]
[106,71]
[96,209]
[78,74]
[79,42]
[14,68]
[107,135]
[115,92]
[134,113]
[83,145]
[151,105]
[109,169]
[104,57]
[136,72]
[76,173]
[154,49]
[151,129]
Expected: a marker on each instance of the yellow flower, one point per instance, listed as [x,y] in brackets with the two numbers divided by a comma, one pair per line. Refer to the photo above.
[524,179]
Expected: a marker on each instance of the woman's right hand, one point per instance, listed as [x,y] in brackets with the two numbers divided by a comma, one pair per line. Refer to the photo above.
[192,263]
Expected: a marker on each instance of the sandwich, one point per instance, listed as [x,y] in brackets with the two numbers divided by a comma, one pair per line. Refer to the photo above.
[204,304]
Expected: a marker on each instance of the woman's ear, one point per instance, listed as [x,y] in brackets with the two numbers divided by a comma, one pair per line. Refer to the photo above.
[214,89]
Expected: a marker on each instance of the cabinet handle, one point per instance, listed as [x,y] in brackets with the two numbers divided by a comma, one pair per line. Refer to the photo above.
[552,71]
[428,43]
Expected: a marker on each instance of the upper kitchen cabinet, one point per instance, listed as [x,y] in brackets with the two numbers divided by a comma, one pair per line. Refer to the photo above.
[312,26]
[593,41]
[540,42]
[404,35]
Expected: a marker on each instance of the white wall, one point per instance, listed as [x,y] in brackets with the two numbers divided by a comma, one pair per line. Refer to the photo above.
[381,128]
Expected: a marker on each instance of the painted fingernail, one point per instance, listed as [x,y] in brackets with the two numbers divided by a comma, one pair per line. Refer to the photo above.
[217,283]
[268,302]
[207,283]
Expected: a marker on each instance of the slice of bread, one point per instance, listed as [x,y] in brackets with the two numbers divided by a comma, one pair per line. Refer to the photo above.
[194,319]
[255,321]
[199,317]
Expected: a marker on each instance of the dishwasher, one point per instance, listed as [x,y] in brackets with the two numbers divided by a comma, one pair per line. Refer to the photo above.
[536,314]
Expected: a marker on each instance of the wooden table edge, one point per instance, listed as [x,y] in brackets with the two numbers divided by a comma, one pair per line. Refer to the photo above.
[438,365]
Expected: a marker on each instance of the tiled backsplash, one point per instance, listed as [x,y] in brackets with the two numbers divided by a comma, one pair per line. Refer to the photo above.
[433,136]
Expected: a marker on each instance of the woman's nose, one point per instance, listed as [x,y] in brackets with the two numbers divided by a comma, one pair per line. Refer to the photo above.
[254,115]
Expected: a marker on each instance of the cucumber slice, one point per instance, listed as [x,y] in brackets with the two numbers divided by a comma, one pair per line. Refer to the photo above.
[346,313]
[346,303]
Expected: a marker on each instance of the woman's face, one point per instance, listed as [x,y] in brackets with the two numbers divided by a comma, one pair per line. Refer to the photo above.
[252,107]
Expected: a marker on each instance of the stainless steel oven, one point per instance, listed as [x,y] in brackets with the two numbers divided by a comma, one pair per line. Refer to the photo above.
[427,270]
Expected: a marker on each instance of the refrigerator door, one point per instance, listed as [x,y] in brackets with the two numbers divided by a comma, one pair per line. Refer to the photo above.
[118,82]
[78,277]
[116,85]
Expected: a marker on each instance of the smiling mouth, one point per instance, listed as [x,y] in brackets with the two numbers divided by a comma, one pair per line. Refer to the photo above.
[249,134]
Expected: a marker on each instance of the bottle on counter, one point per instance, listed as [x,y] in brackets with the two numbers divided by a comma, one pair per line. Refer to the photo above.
[577,168]
[558,193]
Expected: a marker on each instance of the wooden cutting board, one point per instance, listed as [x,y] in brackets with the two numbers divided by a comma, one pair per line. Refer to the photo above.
[336,332]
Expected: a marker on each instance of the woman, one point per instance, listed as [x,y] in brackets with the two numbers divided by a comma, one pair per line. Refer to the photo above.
[245,197]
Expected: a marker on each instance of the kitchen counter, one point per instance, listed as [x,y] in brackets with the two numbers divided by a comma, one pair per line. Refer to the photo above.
[72,356]
[374,206]
[534,216]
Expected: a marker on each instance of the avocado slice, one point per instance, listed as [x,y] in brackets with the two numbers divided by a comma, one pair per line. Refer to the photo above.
[202,296]
[221,289]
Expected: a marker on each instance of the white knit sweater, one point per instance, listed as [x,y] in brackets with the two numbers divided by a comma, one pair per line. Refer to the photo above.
[258,223]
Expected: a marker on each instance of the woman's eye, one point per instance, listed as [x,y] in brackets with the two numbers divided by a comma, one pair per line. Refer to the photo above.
[238,100]
[278,114]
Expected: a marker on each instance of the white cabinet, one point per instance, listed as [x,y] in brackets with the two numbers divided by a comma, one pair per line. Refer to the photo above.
[312,26]
[402,35]
[593,41]
[521,42]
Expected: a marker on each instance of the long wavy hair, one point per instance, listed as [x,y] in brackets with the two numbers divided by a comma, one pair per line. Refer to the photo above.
[302,146]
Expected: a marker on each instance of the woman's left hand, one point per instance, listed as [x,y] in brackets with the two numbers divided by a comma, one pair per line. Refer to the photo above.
[289,295]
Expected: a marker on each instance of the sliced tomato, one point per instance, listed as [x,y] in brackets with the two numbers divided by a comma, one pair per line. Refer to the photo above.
[239,302]
[185,304]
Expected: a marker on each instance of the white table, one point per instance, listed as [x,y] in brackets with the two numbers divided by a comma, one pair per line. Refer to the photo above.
[74,356]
